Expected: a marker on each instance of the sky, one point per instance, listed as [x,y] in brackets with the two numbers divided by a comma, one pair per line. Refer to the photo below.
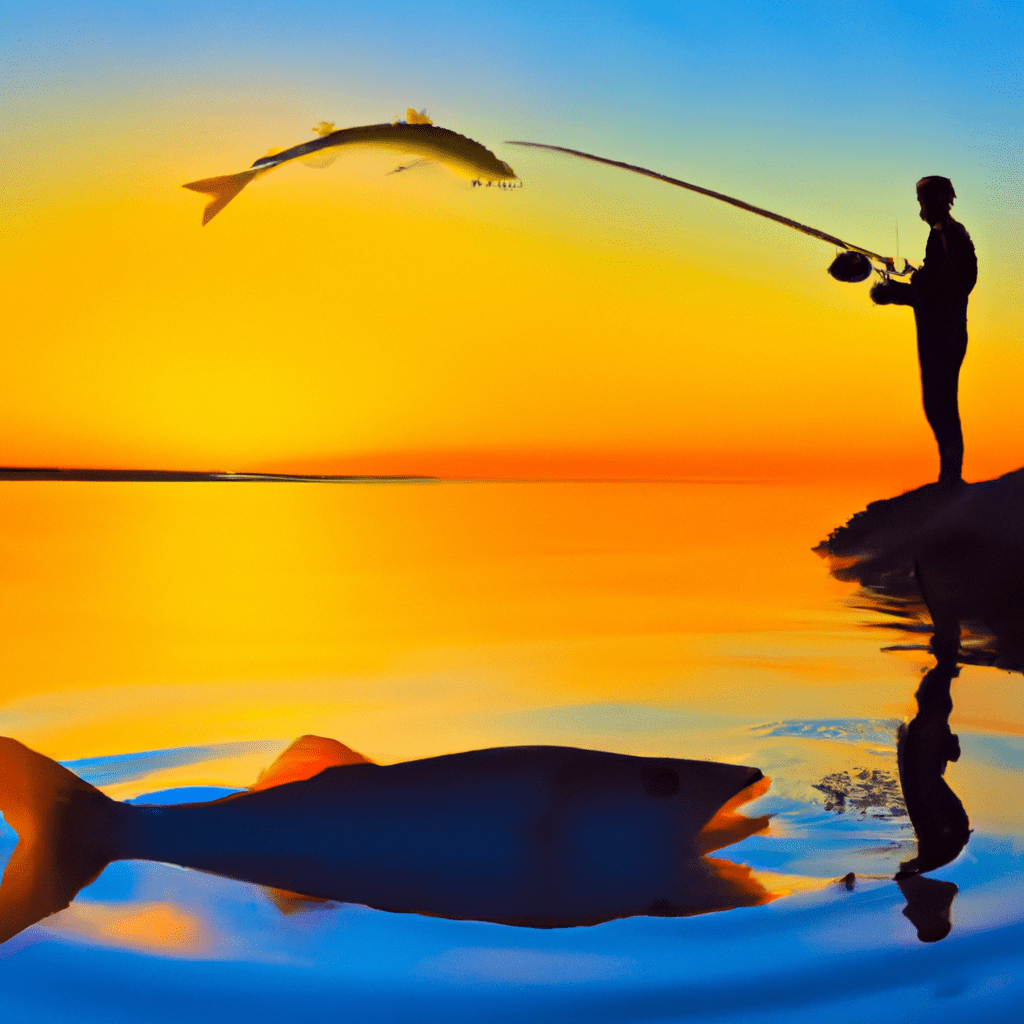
[591,324]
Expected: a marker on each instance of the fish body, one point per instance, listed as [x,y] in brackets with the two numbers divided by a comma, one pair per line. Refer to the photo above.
[535,835]
[465,157]
[540,836]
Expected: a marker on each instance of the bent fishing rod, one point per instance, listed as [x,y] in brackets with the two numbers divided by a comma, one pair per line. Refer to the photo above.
[852,265]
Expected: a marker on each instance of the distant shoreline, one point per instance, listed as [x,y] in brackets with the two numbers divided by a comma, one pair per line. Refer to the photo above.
[194,476]
[190,476]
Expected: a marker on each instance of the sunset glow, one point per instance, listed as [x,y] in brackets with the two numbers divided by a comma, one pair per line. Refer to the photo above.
[589,325]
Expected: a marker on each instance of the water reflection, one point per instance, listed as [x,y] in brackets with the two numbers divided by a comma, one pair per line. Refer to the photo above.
[929,905]
[952,564]
[949,563]
[926,745]
[970,580]
[537,836]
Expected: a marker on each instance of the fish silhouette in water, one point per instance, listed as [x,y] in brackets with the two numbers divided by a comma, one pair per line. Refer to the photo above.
[417,135]
[538,836]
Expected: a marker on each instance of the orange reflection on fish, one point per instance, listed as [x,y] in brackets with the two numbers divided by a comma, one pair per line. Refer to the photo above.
[727,827]
[154,927]
[306,757]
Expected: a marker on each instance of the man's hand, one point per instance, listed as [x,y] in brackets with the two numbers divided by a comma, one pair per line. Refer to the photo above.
[882,293]
[892,293]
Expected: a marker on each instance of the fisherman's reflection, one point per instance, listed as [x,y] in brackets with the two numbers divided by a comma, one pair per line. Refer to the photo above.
[925,746]
[959,561]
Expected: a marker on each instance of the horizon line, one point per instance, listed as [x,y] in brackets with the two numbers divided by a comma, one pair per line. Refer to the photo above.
[92,475]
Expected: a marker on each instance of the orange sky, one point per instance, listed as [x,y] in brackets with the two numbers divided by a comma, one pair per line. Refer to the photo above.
[591,324]
[416,325]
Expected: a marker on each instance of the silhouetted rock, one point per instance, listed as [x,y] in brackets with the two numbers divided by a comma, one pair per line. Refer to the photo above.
[955,555]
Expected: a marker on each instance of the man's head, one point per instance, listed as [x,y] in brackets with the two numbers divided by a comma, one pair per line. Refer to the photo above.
[936,195]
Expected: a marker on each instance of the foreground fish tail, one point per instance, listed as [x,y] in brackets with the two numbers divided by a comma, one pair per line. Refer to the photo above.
[59,820]
[223,188]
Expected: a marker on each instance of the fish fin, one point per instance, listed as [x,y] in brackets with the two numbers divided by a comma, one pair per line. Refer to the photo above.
[306,757]
[417,117]
[324,128]
[273,151]
[321,158]
[410,166]
[55,814]
[293,902]
[223,188]
[743,887]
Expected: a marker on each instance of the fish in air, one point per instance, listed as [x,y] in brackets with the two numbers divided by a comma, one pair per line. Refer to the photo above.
[417,135]
[538,836]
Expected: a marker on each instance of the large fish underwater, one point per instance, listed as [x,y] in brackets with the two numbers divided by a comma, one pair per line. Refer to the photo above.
[417,135]
[540,836]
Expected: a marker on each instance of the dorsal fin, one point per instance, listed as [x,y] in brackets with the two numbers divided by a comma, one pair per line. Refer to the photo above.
[323,128]
[416,117]
[306,757]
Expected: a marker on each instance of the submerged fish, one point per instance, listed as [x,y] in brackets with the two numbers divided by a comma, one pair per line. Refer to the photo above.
[417,135]
[539,836]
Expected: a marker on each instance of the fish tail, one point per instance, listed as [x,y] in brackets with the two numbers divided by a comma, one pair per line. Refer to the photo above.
[223,188]
[61,821]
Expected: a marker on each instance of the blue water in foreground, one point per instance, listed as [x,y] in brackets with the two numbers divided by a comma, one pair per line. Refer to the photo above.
[846,954]
[808,698]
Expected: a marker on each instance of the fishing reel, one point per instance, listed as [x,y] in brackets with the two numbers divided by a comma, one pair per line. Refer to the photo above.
[852,267]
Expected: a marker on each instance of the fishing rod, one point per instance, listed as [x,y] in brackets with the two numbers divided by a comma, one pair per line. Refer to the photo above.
[853,264]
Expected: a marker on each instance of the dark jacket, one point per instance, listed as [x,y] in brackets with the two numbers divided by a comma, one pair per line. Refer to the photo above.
[938,291]
[948,274]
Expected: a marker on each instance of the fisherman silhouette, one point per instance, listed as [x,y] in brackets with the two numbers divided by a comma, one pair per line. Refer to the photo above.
[938,292]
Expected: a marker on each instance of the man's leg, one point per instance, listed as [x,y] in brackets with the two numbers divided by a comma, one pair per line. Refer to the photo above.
[940,359]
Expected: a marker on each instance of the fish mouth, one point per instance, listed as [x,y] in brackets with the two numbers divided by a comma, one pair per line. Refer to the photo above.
[726,826]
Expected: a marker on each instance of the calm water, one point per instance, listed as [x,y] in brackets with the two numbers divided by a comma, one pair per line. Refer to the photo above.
[164,637]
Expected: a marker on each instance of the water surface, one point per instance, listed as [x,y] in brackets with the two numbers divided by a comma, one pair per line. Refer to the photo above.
[172,638]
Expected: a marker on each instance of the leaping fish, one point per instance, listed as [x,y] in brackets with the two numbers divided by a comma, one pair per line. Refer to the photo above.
[417,135]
